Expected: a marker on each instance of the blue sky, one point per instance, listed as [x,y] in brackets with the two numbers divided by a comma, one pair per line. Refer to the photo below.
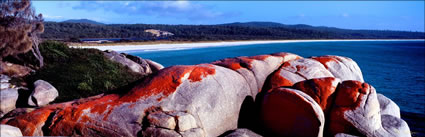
[381,15]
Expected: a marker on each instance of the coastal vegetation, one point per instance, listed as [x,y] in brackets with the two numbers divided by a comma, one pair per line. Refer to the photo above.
[79,73]
[74,31]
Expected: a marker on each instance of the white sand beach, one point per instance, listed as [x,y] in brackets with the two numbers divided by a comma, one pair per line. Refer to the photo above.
[181,46]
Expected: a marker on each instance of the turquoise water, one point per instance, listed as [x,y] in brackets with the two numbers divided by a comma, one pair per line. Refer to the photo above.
[394,68]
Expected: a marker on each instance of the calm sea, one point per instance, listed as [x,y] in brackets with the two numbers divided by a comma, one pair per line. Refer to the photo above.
[394,68]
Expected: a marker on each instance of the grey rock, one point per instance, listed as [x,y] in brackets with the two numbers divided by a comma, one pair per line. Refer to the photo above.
[43,94]
[154,66]
[388,107]
[142,62]
[243,132]
[342,67]
[344,135]
[9,131]
[4,78]
[162,120]
[194,132]
[394,127]
[8,96]
[185,121]
[4,85]
[160,132]
[119,58]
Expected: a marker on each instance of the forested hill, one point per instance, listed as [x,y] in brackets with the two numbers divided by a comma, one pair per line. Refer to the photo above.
[233,31]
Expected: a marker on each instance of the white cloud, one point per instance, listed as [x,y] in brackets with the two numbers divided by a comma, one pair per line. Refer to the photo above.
[345,15]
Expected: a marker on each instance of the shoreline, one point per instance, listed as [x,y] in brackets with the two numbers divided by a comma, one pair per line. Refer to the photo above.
[172,45]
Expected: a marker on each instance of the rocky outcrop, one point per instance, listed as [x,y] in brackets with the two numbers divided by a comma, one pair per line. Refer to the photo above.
[43,94]
[387,106]
[242,132]
[8,95]
[9,131]
[256,69]
[134,63]
[154,66]
[295,71]
[357,111]
[341,67]
[206,100]
[321,90]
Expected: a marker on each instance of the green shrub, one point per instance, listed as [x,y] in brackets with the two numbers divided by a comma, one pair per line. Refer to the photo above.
[78,73]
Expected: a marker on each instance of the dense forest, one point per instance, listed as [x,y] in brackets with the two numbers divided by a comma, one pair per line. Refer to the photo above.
[72,31]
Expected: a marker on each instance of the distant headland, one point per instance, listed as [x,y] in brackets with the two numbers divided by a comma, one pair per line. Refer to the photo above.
[88,31]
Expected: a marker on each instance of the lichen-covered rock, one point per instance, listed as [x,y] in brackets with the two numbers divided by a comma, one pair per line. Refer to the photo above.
[243,132]
[43,94]
[8,97]
[206,100]
[290,112]
[356,111]
[341,67]
[31,123]
[320,89]
[356,105]
[210,96]
[9,131]
[295,71]
[256,69]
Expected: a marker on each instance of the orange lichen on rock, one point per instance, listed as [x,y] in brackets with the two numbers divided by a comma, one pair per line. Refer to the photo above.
[325,59]
[276,80]
[200,72]
[31,123]
[72,118]
[247,61]
[347,97]
[320,89]
[349,92]
[165,83]
[285,113]
[260,57]
[231,63]
[286,64]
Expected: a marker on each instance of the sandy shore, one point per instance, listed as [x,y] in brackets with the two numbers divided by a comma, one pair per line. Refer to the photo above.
[129,47]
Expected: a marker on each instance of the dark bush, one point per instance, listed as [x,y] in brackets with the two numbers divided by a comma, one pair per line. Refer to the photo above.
[78,73]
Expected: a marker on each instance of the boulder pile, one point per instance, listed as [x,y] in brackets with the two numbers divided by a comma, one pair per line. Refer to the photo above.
[134,63]
[279,94]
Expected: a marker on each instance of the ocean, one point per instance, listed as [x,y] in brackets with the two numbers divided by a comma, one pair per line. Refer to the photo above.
[395,68]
